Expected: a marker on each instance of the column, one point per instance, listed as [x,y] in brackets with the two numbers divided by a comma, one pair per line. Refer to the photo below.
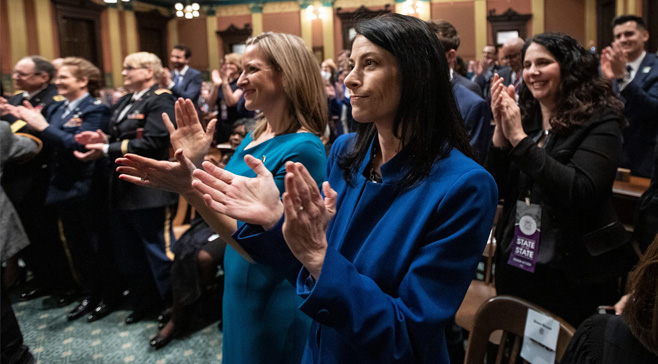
[481,23]
[45,29]
[17,30]
[328,29]
[307,29]
[211,35]
[257,18]
[115,44]
[537,16]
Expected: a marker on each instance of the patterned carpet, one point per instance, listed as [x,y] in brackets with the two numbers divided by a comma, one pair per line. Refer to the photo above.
[54,340]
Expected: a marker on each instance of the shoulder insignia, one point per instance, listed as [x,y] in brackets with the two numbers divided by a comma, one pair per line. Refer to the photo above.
[17,125]
[59,98]
[17,92]
[161,91]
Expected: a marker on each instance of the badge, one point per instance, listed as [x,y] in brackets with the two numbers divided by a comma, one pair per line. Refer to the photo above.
[525,243]
[73,122]
[136,116]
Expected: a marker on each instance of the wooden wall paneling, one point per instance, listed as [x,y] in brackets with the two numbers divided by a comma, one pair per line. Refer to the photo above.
[79,25]
[152,30]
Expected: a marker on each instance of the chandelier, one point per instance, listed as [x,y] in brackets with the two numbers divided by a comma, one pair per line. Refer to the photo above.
[187,11]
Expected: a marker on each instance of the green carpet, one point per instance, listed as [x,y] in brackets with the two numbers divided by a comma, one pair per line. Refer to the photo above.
[54,340]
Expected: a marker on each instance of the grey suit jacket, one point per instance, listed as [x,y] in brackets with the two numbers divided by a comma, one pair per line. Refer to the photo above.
[13,148]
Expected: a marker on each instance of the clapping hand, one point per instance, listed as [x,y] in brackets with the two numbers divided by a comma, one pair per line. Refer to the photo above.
[165,175]
[94,141]
[307,215]
[613,61]
[31,116]
[507,115]
[189,134]
[252,200]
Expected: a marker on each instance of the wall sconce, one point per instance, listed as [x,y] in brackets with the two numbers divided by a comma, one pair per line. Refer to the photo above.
[411,7]
[312,13]
[187,11]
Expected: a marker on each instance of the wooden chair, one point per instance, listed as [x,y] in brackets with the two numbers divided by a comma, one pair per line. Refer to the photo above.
[184,213]
[508,314]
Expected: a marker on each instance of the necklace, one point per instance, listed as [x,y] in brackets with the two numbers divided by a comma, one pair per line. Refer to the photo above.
[374,176]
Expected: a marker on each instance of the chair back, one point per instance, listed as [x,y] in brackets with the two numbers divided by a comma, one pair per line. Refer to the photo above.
[508,314]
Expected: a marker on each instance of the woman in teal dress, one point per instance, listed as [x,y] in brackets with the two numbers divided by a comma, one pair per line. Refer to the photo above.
[261,323]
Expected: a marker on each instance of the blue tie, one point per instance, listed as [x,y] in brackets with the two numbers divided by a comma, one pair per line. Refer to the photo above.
[176,78]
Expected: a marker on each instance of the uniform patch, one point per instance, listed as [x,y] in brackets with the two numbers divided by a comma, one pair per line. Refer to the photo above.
[161,91]
[59,98]
[136,116]
[73,123]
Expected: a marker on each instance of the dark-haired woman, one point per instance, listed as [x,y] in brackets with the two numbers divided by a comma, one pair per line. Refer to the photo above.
[384,260]
[554,159]
[79,188]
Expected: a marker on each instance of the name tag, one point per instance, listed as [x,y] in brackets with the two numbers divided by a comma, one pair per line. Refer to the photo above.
[525,243]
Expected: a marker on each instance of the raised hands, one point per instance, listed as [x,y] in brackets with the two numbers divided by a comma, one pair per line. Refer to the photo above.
[31,116]
[94,141]
[164,175]
[506,113]
[252,200]
[613,61]
[307,215]
[189,134]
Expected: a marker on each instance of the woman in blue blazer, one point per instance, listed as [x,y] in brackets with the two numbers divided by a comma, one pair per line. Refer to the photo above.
[384,259]
[79,188]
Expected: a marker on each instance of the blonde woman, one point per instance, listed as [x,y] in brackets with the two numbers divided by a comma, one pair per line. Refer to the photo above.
[281,78]
[227,96]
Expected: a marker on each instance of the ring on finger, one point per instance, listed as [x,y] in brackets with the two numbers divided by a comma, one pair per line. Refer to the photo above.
[301,208]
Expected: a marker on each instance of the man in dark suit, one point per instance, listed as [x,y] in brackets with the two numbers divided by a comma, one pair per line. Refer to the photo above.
[489,68]
[512,55]
[27,184]
[635,75]
[183,81]
[472,107]
[140,218]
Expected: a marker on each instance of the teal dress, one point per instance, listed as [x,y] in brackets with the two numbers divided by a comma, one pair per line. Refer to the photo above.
[261,320]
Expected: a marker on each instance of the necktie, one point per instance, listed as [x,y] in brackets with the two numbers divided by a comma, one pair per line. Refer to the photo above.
[126,108]
[67,110]
[176,78]
[517,83]
[629,68]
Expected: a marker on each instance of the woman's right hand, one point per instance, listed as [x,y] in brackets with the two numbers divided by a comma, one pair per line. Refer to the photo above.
[164,175]
[252,200]
[189,134]
[497,87]
[216,78]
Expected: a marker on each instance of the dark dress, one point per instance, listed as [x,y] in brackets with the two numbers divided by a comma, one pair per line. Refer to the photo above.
[227,115]
[606,339]
[571,179]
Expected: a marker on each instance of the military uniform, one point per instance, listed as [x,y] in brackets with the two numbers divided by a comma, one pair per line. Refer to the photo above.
[79,190]
[141,218]
[26,186]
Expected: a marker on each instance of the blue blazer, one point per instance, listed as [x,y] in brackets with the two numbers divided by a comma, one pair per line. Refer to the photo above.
[189,87]
[71,177]
[641,109]
[398,263]
[477,117]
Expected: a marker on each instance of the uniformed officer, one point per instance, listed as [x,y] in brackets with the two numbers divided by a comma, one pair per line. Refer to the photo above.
[141,218]
[26,186]
[79,189]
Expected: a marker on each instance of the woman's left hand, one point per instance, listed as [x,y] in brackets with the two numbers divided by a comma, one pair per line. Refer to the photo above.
[164,175]
[32,117]
[307,215]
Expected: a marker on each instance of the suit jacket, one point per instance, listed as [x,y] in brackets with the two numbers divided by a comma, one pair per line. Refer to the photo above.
[641,109]
[477,118]
[16,149]
[571,179]
[459,79]
[71,177]
[189,87]
[484,80]
[140,131]
[375,301]
[27,184]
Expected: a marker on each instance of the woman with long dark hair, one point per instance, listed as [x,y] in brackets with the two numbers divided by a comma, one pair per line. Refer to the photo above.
[385,258]
[554,158]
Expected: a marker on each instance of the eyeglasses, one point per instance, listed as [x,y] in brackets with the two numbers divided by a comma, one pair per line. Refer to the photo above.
[24,75]
[511,56]
[130,68]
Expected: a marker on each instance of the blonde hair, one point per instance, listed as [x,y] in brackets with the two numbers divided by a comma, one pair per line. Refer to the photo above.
[146,60]
[302,82]
[81,68]
[330,63]
[234,59]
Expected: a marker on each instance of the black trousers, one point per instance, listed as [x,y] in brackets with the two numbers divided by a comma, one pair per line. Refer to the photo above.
[12,349]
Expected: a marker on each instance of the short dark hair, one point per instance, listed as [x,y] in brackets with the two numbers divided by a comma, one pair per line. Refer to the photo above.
[186,49]
[582,90]
[626,18]
[447,34]
[427,120]
[43,66]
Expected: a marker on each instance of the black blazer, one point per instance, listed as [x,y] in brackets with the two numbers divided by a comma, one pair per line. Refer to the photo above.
[140,131]
[571,179]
